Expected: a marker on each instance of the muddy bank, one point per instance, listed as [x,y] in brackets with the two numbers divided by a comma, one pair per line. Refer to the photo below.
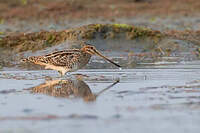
[43,39]
[40,40]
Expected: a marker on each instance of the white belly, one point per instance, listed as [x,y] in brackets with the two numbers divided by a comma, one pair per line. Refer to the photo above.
[58,68]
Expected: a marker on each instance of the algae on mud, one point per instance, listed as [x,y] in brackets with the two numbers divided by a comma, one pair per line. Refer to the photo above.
[40,40]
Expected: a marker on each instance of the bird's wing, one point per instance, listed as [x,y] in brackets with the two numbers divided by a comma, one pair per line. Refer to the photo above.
[62,58]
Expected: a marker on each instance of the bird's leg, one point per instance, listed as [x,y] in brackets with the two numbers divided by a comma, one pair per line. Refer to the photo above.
[61,74]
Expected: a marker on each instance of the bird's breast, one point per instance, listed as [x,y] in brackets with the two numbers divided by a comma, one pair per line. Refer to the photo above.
[80,62]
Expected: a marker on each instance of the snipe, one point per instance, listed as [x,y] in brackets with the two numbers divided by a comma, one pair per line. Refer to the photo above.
[67,60]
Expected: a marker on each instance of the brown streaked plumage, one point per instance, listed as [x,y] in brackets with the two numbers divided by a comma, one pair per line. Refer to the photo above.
[68,60]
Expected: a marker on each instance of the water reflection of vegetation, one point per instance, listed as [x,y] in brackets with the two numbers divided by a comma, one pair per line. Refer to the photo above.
[68,89]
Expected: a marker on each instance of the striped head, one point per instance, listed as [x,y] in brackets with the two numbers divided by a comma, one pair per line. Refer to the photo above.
[89,49]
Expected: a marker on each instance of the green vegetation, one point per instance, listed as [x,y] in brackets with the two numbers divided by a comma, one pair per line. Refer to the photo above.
[2,21]
[24,2]
[124,26]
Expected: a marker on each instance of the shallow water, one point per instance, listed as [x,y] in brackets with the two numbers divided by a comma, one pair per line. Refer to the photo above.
[150,98]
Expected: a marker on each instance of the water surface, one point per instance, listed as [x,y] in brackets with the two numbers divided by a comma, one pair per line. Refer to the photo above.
[145,97]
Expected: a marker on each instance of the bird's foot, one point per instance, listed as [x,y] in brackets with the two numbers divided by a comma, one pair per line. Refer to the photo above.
[81,76]
[68,74]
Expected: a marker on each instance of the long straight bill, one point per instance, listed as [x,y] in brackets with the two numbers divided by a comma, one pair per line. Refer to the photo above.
[108,59]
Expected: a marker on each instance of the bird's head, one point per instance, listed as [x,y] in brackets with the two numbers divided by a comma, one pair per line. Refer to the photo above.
[90,50]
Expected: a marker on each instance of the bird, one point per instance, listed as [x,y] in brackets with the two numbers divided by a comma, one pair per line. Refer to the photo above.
[68,60]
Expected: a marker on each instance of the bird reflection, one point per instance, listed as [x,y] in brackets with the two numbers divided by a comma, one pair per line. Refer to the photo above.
[68,89]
